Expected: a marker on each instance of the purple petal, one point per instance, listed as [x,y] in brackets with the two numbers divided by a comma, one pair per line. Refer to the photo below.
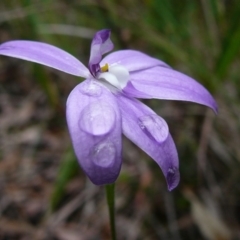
[132,60]
[131,91]
[94,123]
[164,83]
[150,132]
[101,44]
[45,54]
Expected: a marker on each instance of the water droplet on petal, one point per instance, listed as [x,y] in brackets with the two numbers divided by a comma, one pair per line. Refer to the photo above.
[104,154]
[97,118]
[155,127]
[91,89]
[173,177]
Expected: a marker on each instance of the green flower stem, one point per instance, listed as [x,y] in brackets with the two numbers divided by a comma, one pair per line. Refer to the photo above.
[110,201]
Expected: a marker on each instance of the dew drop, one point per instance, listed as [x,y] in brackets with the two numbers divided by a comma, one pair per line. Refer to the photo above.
[104,154]
[155,127]
[173,177]
[97,118]
[91,89]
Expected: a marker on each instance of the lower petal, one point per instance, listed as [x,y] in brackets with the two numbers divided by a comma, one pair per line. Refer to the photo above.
[150,132]
[94,123]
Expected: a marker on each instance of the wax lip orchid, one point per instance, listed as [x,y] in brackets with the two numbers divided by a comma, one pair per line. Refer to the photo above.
[104,106]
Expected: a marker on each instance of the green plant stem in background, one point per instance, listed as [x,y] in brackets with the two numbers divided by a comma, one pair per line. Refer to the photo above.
[110,201]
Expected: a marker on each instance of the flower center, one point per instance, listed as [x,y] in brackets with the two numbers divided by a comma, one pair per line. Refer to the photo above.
[116,75]
[104,68]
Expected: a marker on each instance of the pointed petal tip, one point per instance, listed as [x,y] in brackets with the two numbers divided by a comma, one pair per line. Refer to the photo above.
[172,178]
[211,102]
[212,105]
[215,108]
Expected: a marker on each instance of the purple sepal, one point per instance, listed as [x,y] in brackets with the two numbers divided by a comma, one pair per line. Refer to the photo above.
[132,60]
[150,133]
[94,123]
[101,44]
[165,83]
[45,54]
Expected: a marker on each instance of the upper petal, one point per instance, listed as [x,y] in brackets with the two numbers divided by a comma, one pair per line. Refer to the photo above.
[94,123]
[101,44]
[132,60]
[165,83]
[150,132]
[45,54]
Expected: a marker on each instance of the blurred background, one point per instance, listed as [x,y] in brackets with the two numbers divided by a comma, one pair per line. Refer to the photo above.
[44,195]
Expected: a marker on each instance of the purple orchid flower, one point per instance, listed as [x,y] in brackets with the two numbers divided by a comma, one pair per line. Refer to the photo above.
[104,106]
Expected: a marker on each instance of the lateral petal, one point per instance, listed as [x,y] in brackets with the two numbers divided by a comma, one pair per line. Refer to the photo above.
[45,54]
[132,60]
[150,133]
[165,83]
[94,123]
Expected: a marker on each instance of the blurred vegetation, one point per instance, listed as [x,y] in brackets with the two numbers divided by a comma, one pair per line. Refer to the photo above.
[199,38]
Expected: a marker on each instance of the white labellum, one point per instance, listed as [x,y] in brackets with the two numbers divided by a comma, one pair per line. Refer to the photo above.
[117,76]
